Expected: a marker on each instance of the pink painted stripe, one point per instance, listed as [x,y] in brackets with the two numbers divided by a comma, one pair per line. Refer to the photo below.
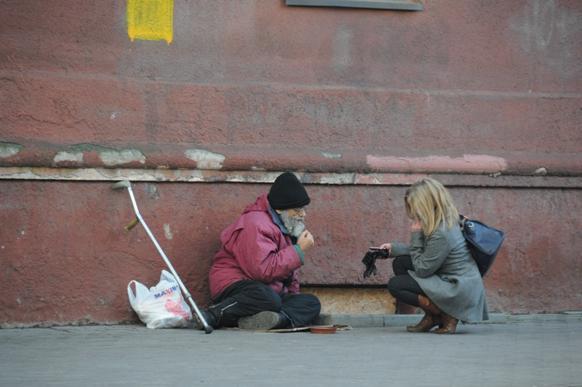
[438,164]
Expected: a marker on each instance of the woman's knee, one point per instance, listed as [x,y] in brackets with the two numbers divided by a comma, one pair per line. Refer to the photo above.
[400,265]
[394,286]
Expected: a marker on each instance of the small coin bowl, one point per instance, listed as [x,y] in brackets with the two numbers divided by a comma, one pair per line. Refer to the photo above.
[323,330]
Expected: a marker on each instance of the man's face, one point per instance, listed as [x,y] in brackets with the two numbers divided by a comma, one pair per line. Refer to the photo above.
[294,220]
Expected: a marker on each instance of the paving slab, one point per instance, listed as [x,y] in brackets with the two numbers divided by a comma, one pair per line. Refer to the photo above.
[536,352]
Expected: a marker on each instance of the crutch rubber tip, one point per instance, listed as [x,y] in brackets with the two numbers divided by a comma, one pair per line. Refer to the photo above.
[208,329]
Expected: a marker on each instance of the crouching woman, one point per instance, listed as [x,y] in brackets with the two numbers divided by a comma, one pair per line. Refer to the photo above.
[436,271]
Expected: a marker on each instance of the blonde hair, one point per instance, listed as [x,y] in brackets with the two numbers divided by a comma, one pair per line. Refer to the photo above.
[429,202]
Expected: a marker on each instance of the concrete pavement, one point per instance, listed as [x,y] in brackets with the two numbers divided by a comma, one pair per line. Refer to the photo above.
[529,352]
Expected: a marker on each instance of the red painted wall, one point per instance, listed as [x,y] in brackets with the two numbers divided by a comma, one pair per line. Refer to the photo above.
[66,255]
[461,88]
[499,78]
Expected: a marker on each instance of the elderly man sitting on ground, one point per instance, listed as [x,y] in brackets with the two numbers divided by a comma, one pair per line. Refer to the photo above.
[254,282]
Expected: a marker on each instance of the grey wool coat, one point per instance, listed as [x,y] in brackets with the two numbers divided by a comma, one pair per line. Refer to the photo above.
[446,272]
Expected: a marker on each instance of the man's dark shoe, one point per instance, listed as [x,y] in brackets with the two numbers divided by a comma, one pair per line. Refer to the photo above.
[214,313]
[209,317]
[260,321]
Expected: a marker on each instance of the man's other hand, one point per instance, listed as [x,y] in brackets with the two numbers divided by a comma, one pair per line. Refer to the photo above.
[305,240]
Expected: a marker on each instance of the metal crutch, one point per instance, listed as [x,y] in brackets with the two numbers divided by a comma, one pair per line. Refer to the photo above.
[126,184]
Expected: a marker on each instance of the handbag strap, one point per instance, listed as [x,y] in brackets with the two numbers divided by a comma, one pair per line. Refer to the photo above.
[462,221]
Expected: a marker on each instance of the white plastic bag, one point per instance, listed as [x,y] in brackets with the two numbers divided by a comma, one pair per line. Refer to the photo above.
[161,306]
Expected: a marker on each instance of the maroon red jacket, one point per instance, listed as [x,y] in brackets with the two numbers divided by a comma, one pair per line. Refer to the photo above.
[255,248]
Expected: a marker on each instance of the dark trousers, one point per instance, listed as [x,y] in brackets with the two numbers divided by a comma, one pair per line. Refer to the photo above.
[245,298]
[402,286]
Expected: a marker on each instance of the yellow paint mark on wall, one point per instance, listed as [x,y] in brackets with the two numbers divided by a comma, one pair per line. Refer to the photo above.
[150,20]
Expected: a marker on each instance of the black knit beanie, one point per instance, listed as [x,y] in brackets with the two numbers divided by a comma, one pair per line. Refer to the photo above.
[287,192]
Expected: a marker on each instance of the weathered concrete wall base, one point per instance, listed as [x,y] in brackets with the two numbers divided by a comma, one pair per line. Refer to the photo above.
[354,300]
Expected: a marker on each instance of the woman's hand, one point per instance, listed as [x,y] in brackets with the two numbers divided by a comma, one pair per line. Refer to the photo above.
[415,226]
[386,246]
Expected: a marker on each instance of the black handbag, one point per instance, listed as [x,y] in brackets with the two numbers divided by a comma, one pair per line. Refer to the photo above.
[483,241]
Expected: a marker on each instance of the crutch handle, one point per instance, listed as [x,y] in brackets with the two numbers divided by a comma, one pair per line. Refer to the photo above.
[132,224]
[121,184]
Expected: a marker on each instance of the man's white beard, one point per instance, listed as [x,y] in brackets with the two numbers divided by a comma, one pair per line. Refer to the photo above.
[294,225]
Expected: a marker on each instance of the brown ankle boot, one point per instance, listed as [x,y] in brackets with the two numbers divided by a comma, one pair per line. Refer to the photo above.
[426,324]
[449,325]
[431,316]
[427,305]
[402,308]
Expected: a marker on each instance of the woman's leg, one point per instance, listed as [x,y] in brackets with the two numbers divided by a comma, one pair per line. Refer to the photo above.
[401,265]
[404,288]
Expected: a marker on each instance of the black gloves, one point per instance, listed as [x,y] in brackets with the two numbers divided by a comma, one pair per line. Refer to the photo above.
[369,261]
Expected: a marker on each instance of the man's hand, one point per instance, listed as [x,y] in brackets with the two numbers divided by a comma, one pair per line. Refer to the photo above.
[305,240]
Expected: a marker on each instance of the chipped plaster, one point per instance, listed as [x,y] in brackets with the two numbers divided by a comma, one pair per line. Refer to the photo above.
[205,159]
[168,232]
[119,157]
[330,155]
[8,149]
[64,156]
